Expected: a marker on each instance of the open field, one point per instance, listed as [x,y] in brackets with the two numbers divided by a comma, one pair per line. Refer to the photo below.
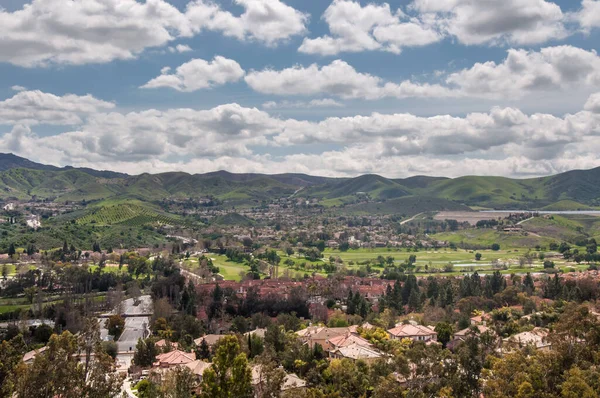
[468,216]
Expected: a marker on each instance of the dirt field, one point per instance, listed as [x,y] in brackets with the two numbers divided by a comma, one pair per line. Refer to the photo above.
[469,216]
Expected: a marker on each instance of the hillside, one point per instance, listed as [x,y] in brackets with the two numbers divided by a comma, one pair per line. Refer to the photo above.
[22,179]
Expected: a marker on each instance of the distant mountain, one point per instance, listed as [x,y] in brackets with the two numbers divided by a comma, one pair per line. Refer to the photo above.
[23,179]
[10,161]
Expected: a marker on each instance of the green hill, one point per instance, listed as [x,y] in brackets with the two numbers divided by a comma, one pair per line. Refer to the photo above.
[578,189]
[126,214]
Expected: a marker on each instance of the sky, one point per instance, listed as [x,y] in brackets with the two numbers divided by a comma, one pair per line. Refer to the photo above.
[332,88]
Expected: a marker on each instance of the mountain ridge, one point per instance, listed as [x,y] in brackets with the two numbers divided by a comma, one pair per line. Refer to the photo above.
[23,179]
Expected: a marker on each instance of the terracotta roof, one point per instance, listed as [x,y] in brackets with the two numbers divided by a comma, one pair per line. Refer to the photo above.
[211,339]
[409,330]
[480,329]
[163,343]
[32,354]
[356,351]
[175,358]
[348,339]
[198,366]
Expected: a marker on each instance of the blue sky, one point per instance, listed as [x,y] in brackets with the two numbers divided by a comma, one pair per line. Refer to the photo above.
[448,87]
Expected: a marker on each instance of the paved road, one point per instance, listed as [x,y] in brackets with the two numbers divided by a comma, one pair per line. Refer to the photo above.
[410,219]
[135,329]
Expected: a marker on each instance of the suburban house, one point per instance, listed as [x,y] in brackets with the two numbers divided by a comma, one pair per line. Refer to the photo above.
[356,352]
[162,344]
[173,359]
[210,339]
[413,332]
[535,338]
[30,356]
[198,367]
[346,340]
[290,383]
[322,335]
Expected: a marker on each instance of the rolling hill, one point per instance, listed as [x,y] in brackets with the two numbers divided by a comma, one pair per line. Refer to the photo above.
[22,179]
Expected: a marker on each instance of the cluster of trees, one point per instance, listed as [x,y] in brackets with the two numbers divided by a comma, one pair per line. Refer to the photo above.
[66,368]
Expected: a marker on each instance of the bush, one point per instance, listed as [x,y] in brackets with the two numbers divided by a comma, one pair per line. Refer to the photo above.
[495,247]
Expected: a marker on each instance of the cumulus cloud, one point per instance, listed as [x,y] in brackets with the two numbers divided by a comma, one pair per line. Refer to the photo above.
[180,48]
[93,31]
[593,103]
[518,22]
[589,15]
[266,21]
[36,107]
[522,72]
[316,103]
[339,79]
[198,74]
[46,32]
[18,88]
[354,28]
[370,143]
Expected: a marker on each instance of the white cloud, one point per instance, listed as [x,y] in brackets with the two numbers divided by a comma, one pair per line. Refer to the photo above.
[36,107]
[46,32]
[180,48]
[589,15]
[519,22]
[92,31]
[355,28]
[18,88]
[523,72]
[199,74]
[266,21]
[593,103]
[339,79]
[502,141]
[316,103]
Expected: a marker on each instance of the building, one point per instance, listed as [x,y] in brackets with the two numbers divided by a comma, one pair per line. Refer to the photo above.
[290,383]
[173,359]
[413,332]
[535,338]
[356,352]
[211,339]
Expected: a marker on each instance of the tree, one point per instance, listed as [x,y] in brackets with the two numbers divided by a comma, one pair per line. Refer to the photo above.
[10,356]
[477,256]
[270,377]
[230,375]
[444,333]
[145,353]
[115,325]
[57,372]
[11,250]
[203,352]
[178,383]
[495,247]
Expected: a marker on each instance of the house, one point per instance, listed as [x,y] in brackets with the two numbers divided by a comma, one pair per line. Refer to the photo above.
[211,339]
[347,340]
[482,319]
[477,329]
[260,332]
[290,382]
[198,367]
[162,344]
[323,335]
[413,332]
[535,338]
[174,358]
[30,356]
[356,352]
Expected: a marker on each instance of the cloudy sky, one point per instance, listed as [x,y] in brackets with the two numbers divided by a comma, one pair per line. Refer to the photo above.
[335,88]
